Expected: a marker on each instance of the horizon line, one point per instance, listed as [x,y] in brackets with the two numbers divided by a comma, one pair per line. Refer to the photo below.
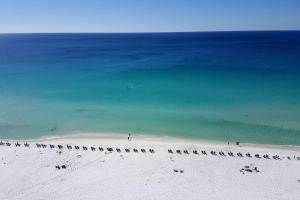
[149,32]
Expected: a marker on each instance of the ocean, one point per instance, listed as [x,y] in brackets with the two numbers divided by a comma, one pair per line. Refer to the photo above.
[225,86]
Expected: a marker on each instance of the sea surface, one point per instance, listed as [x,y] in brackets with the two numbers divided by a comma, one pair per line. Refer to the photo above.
[227,86]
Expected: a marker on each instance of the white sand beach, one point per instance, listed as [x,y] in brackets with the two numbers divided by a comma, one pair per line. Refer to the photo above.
[32,172]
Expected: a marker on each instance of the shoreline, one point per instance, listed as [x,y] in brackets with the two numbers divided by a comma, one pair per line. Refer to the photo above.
[153,138]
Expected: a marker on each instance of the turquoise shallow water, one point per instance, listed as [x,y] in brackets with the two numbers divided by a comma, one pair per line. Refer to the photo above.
[207,86]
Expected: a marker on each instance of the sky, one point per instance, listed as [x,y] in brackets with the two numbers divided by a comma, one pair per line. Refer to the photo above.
[27,16]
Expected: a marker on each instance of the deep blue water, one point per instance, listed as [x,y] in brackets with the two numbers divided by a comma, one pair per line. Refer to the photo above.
[212,85]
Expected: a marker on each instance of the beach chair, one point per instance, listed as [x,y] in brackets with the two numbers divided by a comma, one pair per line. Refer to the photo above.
[204,152]
[127,150]
[135,150]
[170,151]
[275,157]
[195,152]
[185,151]
[101,149]
[110,149]
[278,157]
[230,154]
[143,150]
[239,154]
[151,150]
[178,151]
[118,150]
[93,148]
[257,155]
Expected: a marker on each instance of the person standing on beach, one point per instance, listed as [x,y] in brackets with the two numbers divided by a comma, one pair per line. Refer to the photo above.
[129,137]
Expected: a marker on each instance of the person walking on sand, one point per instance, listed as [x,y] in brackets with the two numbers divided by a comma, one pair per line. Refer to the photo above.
[129,135]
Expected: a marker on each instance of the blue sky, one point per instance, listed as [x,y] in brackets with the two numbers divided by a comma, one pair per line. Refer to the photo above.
[147,15]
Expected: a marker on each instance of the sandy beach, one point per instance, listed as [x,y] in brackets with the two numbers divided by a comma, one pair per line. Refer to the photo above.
[106,167]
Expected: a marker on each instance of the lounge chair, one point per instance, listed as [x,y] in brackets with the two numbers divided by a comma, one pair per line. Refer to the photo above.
[151,150]
[231,154]
[110,149]
[239,154]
